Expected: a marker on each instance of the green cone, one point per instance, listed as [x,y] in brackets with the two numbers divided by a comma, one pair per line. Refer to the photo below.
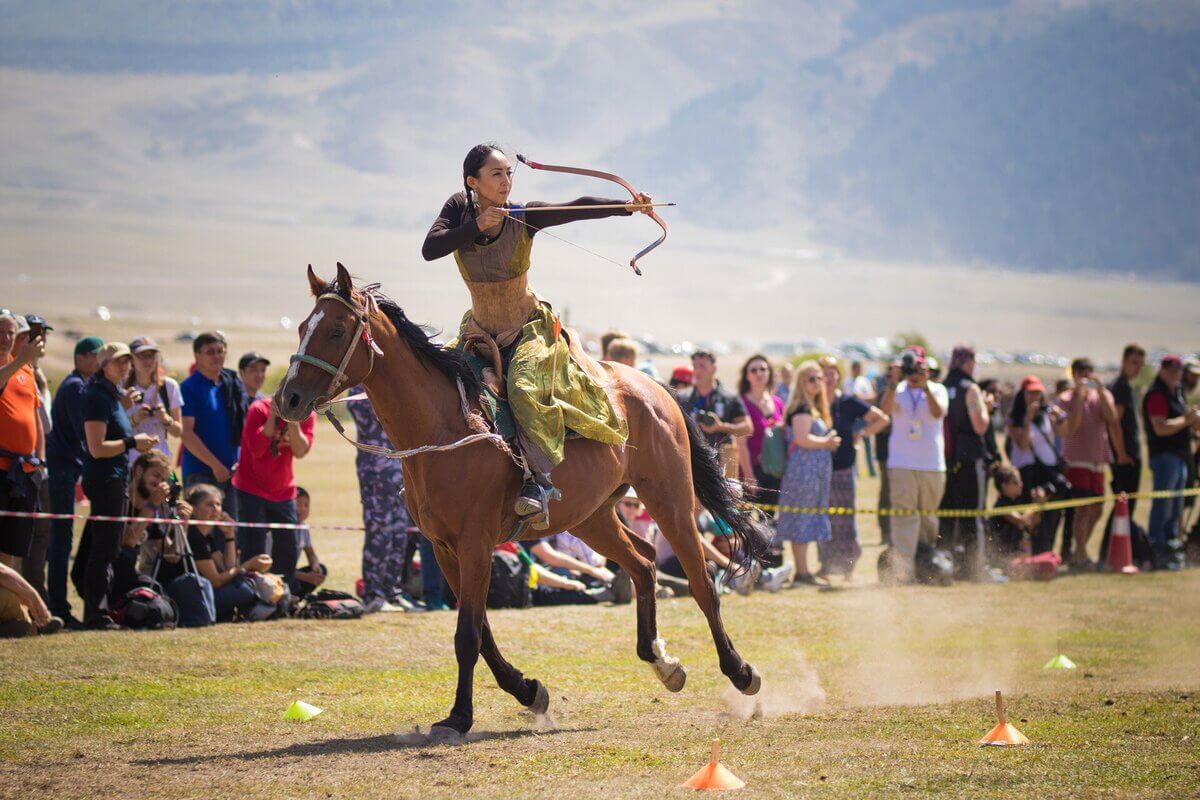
[1059,662]
[301,711]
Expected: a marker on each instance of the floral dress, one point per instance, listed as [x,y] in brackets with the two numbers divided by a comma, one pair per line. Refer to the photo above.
[805,485]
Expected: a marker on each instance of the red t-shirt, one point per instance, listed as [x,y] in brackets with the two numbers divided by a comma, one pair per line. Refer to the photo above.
[1156,405]
[260,473]
[19,403]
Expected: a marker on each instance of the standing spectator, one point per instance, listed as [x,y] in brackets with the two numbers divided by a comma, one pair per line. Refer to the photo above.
[22,439]
[890,376]
[214,411]
[682,379]
[916,458]
[1033,452]
[34,567]
[64,455]
[156,404]
[1126,477]
[860,386]
[809,466]
[265,482]
[765,410]
[385,517]
[720,415]
[992,397]
[783,382]
[252,370]
[849,412]
[1168,421]
[967,420]
[109,439]
[1090,423]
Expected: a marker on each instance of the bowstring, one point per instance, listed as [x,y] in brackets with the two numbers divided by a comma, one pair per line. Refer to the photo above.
[565,241]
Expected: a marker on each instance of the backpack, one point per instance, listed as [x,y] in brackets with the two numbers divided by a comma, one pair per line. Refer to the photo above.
[330,604]
[274,599]
[773,457]
[510,581]
[191,591]
[144,607]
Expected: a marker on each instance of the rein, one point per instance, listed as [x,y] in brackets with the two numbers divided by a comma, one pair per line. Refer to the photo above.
[326,402]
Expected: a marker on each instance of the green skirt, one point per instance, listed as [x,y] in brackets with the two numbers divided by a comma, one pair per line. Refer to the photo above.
[550,394]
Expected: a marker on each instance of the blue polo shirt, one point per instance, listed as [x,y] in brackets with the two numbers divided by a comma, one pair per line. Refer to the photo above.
[101,404]
[204,401]
[66,441]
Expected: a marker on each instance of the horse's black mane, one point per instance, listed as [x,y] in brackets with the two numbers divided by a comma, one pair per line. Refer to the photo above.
[452,363]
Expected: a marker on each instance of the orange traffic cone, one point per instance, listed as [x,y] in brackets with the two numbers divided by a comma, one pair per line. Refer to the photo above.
[713,776]
[1120,547]
[1004,734]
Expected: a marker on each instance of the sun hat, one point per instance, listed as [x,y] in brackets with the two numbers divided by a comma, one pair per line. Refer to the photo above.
[113,350]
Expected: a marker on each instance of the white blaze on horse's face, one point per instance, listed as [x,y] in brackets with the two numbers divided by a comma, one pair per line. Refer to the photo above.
[313,321]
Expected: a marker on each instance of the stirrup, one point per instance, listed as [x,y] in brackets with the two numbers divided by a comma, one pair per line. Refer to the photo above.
[536,510]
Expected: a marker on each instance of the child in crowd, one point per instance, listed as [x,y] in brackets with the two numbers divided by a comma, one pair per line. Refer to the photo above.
[315,573]
[1010,537]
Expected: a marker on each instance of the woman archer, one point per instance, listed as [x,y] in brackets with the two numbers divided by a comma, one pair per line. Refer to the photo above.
[547,391]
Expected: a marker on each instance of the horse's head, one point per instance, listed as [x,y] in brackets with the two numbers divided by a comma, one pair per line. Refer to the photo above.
[336,349]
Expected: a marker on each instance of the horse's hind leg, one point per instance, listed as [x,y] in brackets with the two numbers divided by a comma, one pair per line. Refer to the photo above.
[669,500]
[528,692]
[604,533]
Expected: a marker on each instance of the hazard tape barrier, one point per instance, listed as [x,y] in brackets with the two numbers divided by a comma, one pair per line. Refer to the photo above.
[284,526]
[1053,505]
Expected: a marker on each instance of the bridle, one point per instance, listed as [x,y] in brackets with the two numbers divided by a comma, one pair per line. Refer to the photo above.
[361,333]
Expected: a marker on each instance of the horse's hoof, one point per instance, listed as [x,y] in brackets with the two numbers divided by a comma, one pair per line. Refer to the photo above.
[672,675]
[541,700]
[444,734]
[755,683]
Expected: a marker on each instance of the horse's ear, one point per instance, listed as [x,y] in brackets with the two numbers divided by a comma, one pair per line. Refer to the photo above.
[344,281]
[314,283]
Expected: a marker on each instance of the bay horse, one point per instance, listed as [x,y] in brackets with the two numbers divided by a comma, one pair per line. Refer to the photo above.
[462,499]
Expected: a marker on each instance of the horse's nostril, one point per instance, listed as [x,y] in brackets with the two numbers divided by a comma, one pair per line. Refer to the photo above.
[293,400]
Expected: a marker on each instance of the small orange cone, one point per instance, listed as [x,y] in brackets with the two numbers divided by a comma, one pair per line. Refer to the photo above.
[1004,734]
[713,776]
[1120,545]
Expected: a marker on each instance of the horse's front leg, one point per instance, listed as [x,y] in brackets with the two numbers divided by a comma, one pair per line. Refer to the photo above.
[474,558]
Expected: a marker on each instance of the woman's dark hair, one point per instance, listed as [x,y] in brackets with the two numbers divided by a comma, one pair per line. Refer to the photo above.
[744,382]
[1017,415]
[473,163]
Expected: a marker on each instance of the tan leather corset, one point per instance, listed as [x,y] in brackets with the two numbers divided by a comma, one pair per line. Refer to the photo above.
[500,306]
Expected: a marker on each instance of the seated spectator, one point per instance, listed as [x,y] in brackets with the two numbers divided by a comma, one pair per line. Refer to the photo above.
[1011,535]
[215,550]
[265,483]
[214,411]
[683,378]
[155,404]
[22,611]
[315,573]
[252,369]
[570,557]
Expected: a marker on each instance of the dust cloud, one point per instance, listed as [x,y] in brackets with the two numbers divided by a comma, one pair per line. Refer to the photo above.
[795,689]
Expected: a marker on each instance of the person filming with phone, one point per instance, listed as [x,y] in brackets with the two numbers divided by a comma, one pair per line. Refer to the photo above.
[916,457]
[719,413]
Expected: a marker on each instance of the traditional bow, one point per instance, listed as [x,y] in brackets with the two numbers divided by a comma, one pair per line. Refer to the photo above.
[607,176]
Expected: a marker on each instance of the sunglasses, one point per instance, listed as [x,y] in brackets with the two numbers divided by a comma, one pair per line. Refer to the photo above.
[758,369]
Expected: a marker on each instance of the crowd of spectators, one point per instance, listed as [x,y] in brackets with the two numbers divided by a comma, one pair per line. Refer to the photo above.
[229,540]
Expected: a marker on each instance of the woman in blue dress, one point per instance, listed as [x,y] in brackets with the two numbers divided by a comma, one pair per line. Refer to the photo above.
[809,468]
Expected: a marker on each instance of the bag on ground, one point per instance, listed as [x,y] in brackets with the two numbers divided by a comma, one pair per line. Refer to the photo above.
[144,607]
[193,594]
[330,604]
[510,582]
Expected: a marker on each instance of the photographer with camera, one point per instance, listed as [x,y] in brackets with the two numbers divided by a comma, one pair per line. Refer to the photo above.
[22,437]
[719,413]
[916,457]
[1031,449]
[155,402]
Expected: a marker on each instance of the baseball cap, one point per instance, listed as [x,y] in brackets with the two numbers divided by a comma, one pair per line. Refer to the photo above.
[1032,383]
[1170,361]
[113,350]
[1192,364]
[88,345]
[917,352]
[251,358]
[37,319]
[142,344]
[684,375]
[22,324]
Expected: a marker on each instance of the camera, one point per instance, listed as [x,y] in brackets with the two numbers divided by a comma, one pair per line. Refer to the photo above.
[36,330]
[175,492]
[908,363]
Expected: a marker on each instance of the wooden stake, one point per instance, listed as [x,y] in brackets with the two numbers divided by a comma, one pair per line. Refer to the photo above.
[1000,708]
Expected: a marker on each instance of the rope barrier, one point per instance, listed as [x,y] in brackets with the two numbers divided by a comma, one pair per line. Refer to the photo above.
[1053,505]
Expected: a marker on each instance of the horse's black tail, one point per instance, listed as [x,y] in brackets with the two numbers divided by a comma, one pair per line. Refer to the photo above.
[750,541]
